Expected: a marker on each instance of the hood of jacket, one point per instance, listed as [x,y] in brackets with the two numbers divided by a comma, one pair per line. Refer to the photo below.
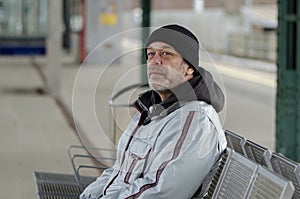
[201,87]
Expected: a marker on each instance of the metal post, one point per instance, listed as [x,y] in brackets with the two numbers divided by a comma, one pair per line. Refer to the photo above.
[67,25]
[53,46]
[146,22]
[288,80]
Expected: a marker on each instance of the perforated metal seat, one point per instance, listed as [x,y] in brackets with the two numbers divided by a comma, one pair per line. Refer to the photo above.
[58,191]
[242,178]
[68,186]
[57,185]
[288,169]
[235,142]
[210,182]
[235,178]
[46,177]
[59,178]
[258,154]
[268,185]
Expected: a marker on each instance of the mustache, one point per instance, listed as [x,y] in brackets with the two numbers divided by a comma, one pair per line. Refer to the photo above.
[156,69]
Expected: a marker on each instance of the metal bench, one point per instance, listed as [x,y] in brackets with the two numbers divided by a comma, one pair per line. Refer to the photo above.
[258,154]
[245,170]
[57,191]
[209,184]
[69,186]
[235,142]
[243,178]
[288,169]
[263,156]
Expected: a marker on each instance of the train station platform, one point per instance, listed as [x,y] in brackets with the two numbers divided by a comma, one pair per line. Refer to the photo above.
[35,128]
[34,132]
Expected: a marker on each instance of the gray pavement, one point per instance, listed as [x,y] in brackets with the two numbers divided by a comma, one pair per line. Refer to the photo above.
[35,132]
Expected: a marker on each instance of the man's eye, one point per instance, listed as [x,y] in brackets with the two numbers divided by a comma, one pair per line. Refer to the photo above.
[164,53]
[150,54]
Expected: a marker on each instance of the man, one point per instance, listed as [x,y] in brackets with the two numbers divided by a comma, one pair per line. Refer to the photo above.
[176,137]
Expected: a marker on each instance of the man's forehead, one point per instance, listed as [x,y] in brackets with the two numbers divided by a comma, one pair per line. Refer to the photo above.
[160,45]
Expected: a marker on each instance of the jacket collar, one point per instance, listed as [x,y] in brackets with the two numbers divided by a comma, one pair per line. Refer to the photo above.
[200,88]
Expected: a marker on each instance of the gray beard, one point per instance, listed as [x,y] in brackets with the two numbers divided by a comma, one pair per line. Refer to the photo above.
[167,85]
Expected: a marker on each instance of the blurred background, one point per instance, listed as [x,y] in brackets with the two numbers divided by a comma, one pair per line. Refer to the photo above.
[62,62]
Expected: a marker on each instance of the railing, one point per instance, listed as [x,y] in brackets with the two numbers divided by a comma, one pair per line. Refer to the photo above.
[115,105]
[255,45]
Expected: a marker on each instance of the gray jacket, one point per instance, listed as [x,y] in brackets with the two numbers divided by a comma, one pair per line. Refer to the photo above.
[169,147]
[168,158]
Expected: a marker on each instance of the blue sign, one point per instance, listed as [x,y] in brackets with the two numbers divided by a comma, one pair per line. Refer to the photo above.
[22,46]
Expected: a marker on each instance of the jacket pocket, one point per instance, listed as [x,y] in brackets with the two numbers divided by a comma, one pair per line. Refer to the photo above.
[137,155]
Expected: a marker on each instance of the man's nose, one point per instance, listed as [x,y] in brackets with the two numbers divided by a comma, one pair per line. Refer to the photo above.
[156,59]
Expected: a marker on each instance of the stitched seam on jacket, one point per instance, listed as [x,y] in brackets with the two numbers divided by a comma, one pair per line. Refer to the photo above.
[123,158]
[129,172]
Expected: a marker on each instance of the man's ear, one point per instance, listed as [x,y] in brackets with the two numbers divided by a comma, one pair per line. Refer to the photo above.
[189,71]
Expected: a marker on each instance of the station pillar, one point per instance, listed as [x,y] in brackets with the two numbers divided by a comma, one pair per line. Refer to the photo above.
[146,23]
[288,80]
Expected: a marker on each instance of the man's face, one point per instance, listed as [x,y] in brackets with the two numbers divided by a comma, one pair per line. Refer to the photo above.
[166,68]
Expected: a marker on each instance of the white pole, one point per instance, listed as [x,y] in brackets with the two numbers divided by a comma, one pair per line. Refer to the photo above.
[248,2]
[53,47]
[199,5]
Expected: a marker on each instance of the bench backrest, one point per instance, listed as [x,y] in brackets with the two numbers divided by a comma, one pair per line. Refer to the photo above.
[235,142]
[288,169]
[243,178]
[274,162]
[258,154]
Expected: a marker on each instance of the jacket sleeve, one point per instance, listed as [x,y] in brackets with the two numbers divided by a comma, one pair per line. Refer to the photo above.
[179,167]
[94,190]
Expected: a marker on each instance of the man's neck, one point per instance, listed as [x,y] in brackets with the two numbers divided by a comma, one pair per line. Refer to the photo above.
[164,95]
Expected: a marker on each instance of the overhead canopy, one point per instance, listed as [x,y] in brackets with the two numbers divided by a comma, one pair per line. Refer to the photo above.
[264,16]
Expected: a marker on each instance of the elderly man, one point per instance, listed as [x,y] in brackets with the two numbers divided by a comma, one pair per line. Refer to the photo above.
[176,136]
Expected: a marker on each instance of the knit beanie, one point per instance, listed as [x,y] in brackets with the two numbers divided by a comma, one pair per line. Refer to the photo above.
[181,39]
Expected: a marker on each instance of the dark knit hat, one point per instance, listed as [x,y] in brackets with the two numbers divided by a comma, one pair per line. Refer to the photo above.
[181,39]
